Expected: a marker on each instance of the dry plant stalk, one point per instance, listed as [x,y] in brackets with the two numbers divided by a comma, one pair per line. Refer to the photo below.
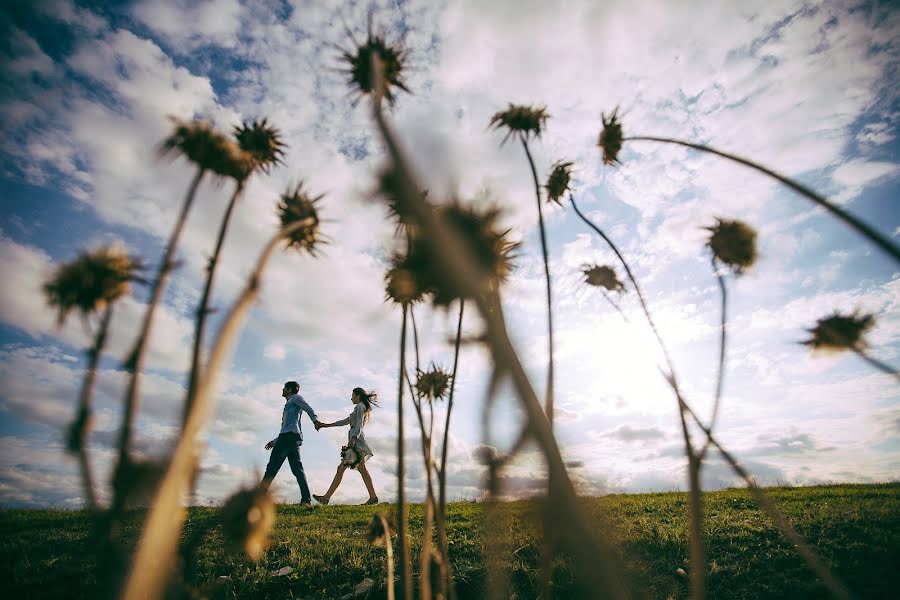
[380,534]
[159,539]
[593,556]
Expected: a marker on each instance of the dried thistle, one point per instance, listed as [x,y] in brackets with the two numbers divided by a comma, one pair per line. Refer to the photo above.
[377,531]
[432,384]
[401,285]
[558,181]
[247,519]
[610,140]
[733,243]
[261,143]
[208,149]
[524,120]
[298,206]
[603,276]
[389,56]
[840,332]
[490,247]
[91,281]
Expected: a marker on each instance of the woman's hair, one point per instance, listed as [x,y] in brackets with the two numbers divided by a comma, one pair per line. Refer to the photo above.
[370,399]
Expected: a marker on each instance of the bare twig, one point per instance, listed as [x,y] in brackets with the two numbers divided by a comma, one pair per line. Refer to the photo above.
[402,517]
[723,340]
[881,366]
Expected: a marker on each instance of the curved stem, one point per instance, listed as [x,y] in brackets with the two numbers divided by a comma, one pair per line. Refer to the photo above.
[412,317]
[876,238]
[203,308]
[537,192]
[723,340]
[389,552]
[881,366]
[81,428]
[135,361]
[698,560]
[159,539]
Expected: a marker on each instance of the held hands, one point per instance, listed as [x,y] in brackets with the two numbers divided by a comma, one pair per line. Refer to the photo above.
[318,424]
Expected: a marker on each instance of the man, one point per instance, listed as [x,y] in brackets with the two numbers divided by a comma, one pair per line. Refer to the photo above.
[287,444]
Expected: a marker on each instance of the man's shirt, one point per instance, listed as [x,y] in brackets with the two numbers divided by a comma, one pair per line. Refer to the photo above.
[290,417]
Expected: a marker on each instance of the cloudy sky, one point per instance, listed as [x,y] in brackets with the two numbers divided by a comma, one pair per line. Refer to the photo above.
[85,92]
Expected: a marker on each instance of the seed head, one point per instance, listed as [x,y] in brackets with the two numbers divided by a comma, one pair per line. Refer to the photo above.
[390,58]
[524,120]
[840,332]
[488,245]
[91,281]
[377,528]
[261,143]
[733,243]
[401,285]
[558,181]
[247,520]
[208,149]
[610,140]
[297,206]
[603,276]
[433,383]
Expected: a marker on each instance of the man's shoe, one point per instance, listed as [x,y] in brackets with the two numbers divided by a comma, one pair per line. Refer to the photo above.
[371,501]
[320,499]
[306,503]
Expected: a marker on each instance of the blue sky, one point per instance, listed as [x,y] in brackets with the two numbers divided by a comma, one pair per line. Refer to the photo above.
[804,87]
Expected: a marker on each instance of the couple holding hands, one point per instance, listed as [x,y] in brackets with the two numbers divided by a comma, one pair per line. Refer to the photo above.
[287,445]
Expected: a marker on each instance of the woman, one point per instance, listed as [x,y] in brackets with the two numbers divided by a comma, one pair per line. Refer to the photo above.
[356,441]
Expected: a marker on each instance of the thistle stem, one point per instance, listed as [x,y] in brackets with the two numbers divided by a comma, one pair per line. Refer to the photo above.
[412,317]
[203,307]
[136,359]
[865,230]
[881,366]
[81,428]
[389,552]
[159,539]
[537,192]
[402,519]
[723,340]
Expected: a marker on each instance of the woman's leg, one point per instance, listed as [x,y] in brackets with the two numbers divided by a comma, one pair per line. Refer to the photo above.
[338,475]
[367,479]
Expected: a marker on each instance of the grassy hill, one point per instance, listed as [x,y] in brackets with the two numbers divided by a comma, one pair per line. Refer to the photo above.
[855,528]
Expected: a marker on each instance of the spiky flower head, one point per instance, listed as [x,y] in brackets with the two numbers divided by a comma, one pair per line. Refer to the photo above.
[247,520]
[432,384]
[489,246]
[733,243]
[558,181]
[91,281]
[376,52]
[401,285]
[524,120]
[207,148]
[602,276]
[377,529]
[610,140]
[839,332]
[299,208]
[262,143]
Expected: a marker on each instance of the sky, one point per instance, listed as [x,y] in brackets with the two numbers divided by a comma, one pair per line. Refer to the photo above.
[86,92]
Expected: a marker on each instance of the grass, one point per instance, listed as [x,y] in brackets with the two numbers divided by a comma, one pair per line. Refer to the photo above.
[855,528]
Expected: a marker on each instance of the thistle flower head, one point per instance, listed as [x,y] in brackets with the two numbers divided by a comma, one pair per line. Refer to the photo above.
[839,332]
[603,276]
[247,519]
[377,529]
[401,285]
[376,52]
[610,140]
[296,207]
[733,243]
[91,281]
[558,181]
[432,384]
[524,120]
[260,142]
[490,248]
[208,149]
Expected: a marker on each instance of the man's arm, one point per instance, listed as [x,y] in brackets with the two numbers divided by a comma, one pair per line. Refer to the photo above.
[305,407]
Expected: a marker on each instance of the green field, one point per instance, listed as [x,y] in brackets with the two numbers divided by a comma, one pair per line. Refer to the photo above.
[854,528]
